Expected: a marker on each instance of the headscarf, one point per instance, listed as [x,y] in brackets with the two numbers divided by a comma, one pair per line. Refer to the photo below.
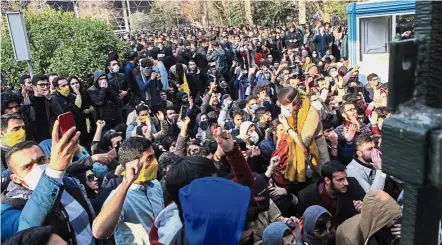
[311,215]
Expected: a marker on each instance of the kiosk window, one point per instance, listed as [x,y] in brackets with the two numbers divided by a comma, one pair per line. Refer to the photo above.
[375,34]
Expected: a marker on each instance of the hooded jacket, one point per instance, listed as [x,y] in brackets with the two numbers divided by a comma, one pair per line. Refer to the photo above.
[274,234]
[105,100]
[309,220]
[378,209]
[214,212]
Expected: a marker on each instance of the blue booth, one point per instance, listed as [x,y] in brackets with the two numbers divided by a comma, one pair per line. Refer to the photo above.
[371,26]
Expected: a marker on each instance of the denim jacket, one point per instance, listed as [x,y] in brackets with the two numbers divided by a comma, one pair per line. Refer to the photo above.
[21,209]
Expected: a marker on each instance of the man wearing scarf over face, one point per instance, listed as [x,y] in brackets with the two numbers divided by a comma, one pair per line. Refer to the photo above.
[134,205]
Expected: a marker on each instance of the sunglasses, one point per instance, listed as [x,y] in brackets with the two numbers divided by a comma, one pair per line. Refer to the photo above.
[90,177]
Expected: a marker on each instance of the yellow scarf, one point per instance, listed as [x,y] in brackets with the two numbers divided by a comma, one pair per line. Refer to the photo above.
[185,86]
[296,166]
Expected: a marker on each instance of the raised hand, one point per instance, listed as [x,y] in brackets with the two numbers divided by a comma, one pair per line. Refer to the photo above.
[64,149]
[224,140]
[373,118]
[132,171]
[350,132]
[101,124]
[376,159]
[160,115]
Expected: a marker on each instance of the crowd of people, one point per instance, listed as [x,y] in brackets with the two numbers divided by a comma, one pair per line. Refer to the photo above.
[227,135]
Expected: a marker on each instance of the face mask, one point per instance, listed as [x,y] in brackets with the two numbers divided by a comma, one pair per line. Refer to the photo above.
[204,125]
[286,112]
[13,138]
[32,178]
[64,91]
[179,125]
[116,69]
[314,55]
[100,170]
[149,173]
[146,73]
[334,73]
[254,137]
[142,119]
[254,107]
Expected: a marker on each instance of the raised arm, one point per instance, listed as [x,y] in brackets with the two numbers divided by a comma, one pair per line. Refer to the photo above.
[106,221]
[241,170]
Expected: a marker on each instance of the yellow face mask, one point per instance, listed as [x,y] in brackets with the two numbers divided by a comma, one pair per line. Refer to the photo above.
[147,174]
[143,119]
[64,91]
[14,137]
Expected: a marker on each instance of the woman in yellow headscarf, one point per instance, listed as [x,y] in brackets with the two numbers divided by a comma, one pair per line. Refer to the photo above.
[180,77]
[303,141]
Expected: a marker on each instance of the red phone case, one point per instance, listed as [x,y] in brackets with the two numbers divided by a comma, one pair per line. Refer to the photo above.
[66,122]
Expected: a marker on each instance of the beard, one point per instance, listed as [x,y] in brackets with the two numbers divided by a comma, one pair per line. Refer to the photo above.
[337,191]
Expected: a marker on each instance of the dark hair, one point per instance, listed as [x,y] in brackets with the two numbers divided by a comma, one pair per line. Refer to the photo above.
[261,111]
[382,111]
[52,74]
[321,224]
[153,54]
[250,98]
[331,167]
[131,55]
[9,97]
[141,108]
[237,112]
[7,117]
[363,139]
[55,81]
[23,78]
[184,171]
[342,107]
[70,78]
[39,77]
[19,147]
[132,149]
[259,89]
[371,76]
[170,108]
[146,63]
[38,235]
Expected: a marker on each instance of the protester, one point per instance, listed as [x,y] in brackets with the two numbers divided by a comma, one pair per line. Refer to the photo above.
[378,222]
[243,122]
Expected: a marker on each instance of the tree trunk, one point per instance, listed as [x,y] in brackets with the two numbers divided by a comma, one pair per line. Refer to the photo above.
[248,10]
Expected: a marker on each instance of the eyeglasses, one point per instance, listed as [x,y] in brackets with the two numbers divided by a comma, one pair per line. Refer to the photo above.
[42,85]
[90,177]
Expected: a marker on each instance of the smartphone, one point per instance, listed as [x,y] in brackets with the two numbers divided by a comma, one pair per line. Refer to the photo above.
[184,112]
[66,122]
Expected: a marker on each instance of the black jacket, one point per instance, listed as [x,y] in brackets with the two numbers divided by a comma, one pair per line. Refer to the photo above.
[105,100]
[60,104]
[344,207]
[44,118]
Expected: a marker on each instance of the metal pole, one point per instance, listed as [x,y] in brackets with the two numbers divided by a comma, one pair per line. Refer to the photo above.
[31,68]
[177,19]
[126,21]
[128,9]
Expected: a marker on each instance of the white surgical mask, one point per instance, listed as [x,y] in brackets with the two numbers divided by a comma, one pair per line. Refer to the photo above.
[34,176]
[254,137]
[286,112]
[179,124]
[116,69]
[333,73]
